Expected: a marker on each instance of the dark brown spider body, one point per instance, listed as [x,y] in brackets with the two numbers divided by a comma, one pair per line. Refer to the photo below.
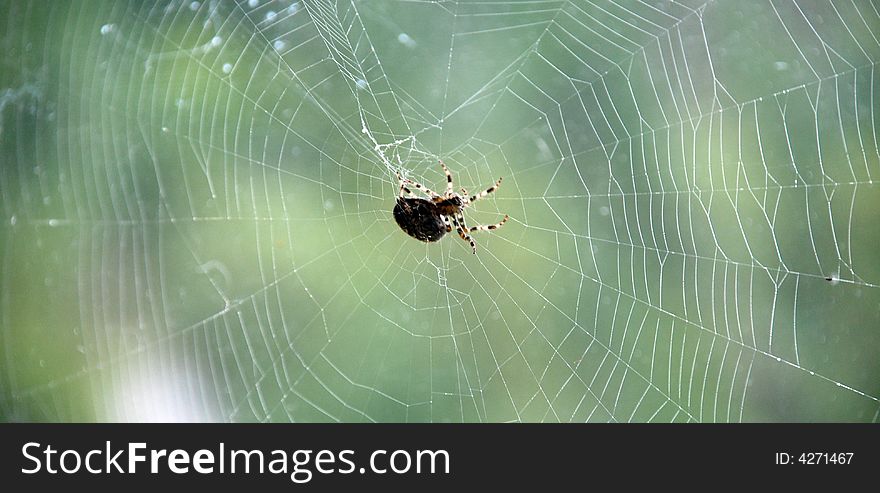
[450,206]
[429,219]
[420,218]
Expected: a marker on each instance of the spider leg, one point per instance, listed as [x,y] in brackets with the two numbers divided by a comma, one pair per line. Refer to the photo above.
[403,188]
[486,191]
[488,227]
[462,232]
[423,188]
[448,178]
[447,223]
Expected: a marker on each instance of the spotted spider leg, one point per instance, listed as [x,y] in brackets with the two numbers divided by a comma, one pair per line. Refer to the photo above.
[488,227]
[403,188]
[474,198]
[421,187]
[483,227]
[448,179]
[447,223]
[462,231]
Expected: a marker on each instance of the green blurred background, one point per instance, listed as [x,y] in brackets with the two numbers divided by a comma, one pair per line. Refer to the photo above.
[196,200]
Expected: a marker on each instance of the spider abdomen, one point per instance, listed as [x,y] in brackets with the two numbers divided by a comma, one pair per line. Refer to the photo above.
[420,218]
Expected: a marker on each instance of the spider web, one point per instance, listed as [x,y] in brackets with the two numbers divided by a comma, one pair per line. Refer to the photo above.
[197,199]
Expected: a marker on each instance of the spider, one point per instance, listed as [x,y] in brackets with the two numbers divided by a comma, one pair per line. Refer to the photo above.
[428,220]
